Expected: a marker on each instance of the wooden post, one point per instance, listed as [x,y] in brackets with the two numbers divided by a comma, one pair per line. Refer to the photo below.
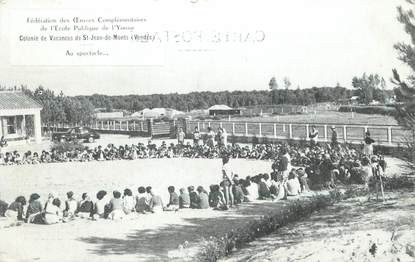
[220,124]
[233,128]
[325,133]
[345,133]
[390,135]
[260,129]
[198,125]
[307,131]
[290,131]
[127,126]
[283,128]
[275,130]
[246,128]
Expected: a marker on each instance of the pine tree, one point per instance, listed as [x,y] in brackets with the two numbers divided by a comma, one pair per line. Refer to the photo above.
[405,90]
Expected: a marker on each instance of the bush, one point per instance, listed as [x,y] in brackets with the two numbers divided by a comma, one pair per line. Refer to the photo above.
[219,246]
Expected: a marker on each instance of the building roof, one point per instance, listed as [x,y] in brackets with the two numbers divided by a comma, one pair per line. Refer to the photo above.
[220,107]
[17,100]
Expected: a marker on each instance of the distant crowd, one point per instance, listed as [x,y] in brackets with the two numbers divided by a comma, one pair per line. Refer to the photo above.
[294,167]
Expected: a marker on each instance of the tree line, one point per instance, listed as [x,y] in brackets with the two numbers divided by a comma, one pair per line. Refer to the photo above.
[58,108]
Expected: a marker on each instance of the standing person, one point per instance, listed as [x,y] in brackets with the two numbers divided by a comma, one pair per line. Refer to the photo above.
[313,135]
[196,137]
[227,177]
[3,143]
[211,137]
[284,169]
[180,136]
[334,142]
[368,144]
[223,137]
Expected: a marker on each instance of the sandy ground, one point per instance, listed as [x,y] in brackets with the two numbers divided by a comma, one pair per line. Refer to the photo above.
[146,237]
[343,232]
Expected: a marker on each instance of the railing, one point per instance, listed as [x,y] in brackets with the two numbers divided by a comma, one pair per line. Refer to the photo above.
[382,134]
[392,135]
[142,127]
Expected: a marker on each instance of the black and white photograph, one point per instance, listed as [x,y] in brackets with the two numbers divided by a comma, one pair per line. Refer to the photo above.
[207,130]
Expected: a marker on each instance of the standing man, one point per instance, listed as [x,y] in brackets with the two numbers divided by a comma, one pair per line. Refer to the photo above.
[180,137]
[368,144]
[334,142]
[227,178]
[284,169]
[196,137]
[211,137]
[223,137]
[313,135]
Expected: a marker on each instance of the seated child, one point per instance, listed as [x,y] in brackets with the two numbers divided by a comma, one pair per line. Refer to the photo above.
[173,204]
[15,210]
[53,213]
[34,210]
[85,207]
[156,204]
[194,201]
[128,202]
[141,205]
[184,199]
[252,189]
[3,207]
[263,189]
[71,205]
[203,198]
[238,194]
[293,185]
[116,207]
[100,205]
[216,200]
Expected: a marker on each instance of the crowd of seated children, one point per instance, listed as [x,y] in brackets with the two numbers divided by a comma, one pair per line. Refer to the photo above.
[343,156]
[318,164]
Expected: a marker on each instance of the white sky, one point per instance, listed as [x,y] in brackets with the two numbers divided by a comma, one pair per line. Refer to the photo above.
[314,43]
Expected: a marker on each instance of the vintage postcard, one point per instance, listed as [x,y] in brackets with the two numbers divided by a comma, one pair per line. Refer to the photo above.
[207,130]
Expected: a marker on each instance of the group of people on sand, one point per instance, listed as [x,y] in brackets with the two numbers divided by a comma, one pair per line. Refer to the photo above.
[321,164]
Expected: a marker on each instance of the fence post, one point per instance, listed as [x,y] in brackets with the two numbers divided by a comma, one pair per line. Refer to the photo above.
[142,125]
[246,128]
[150,127]
[290,131]
[134,125]
[260,129]
[389,135]
[233,128]
[275,130]
[345,133]
[127,127]
[208,124]
[102,125]
[325,133]
[198,126]
[307,131]
[120,125]
[220,124]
